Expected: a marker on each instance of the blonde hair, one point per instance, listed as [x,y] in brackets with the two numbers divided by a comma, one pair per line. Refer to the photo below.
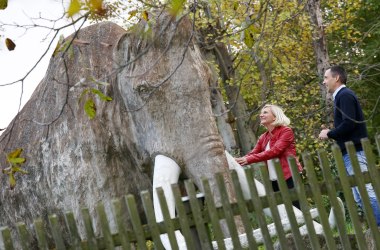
[281,118]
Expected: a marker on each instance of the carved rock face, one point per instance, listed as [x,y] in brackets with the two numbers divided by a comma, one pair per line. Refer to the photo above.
[166,94]
[161,104]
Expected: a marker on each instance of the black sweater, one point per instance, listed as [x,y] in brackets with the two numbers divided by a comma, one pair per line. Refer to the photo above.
[349,122]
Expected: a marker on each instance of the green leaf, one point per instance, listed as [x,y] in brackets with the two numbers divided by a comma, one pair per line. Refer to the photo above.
[105,84]
[84,92]
[20,170]
[176,7]
[16,160]
[102,96]
[12,181]
[248,37]
[90,108]
[7,170]
[58,46]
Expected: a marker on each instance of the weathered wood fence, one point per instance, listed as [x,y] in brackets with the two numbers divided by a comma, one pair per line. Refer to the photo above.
[199,218]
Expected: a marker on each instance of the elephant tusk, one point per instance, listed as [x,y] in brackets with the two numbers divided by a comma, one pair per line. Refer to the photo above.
[332,219]
[166,172]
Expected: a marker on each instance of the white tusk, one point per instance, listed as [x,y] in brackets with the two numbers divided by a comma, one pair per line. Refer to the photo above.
[332,219]
[233,165]
[166,173]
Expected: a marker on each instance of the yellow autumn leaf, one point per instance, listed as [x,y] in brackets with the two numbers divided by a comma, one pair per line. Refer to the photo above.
[3,4]
[74,7]
[14,154]
[132,13]
[96,4]
[144,15]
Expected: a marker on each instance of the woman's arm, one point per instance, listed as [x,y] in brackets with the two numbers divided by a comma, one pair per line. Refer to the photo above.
[285,139]
[257,149]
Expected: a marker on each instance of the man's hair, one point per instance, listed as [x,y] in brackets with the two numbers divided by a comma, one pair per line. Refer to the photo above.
[281,118]
[339,70]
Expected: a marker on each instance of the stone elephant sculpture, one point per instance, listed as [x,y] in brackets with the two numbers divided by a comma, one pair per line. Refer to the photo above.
[159,84]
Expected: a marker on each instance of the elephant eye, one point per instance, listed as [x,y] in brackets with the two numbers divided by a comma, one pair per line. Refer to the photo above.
[144,89]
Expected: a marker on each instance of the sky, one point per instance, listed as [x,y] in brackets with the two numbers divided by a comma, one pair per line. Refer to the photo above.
[30,45]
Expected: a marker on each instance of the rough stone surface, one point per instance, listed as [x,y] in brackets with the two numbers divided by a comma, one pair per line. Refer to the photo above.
[371,244]
[161,105]
[306,244]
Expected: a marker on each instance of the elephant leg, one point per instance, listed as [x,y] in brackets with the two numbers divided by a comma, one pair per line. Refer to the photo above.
[166,173]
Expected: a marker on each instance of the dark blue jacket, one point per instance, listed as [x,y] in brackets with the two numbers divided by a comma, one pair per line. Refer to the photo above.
[349,122]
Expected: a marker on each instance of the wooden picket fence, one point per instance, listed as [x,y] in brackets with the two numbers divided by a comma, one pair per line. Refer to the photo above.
[199,218]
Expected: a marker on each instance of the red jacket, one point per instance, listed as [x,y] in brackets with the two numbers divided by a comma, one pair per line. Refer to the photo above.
[282,146]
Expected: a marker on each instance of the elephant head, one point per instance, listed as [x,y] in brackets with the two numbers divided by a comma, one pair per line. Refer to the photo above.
[164,84]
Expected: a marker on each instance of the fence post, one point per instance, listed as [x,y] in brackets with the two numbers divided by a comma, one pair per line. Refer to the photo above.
[243,211]
[351,205]
[197,216]
[190,234]
[91,239]
[299,188]
[288,204]
[41,235]
[372,168]
[272,206]
[7,238]
[57,235]
[363,193]
[214,215]
[136,222]
[317,197]
[74,235]
[229,215]
[107,236]
[258,208]
[24,236]
[149,212]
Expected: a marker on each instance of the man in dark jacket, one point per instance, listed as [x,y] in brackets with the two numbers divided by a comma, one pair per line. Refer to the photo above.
[349,125]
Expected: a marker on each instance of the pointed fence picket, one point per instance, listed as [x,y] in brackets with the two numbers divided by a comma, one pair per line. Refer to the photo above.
[199,219]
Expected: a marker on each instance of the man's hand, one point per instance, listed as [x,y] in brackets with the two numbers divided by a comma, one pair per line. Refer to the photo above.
[323,134]
[242,161]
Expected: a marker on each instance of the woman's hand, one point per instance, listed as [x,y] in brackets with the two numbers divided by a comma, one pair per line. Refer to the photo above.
[241,160]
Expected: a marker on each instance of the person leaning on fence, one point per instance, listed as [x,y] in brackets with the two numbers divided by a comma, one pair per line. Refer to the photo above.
[277,142]
[349,125]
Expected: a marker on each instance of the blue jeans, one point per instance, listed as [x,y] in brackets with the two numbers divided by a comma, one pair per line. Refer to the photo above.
[355,191]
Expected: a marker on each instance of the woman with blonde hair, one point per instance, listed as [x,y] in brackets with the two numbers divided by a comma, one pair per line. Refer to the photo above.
[277,142]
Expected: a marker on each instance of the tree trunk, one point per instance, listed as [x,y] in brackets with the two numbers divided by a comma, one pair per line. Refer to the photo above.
[236,101]
[321,51]
[221,115]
